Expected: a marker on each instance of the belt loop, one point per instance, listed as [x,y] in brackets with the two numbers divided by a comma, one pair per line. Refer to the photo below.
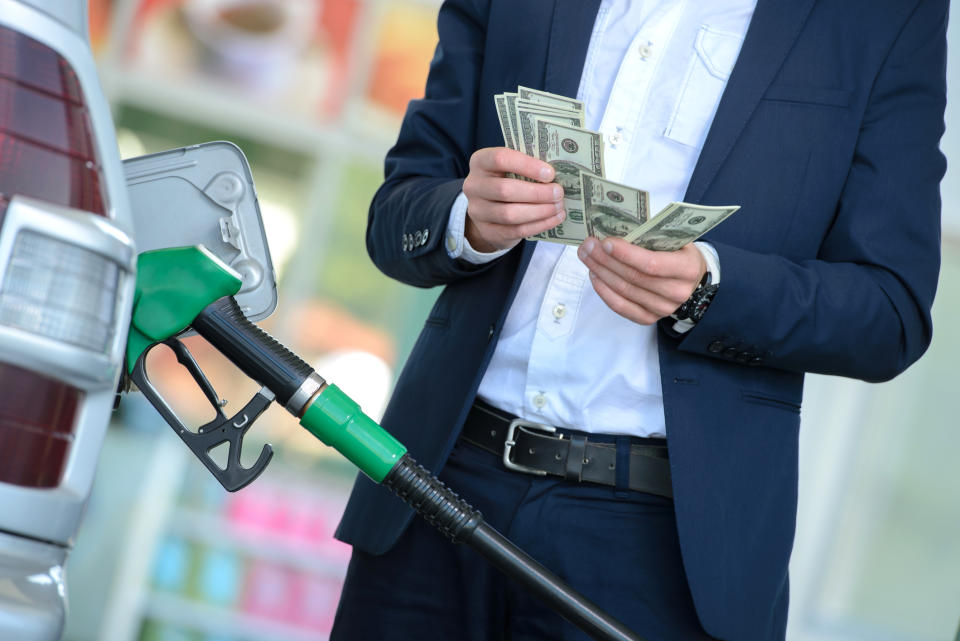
[575,457]
[622,478]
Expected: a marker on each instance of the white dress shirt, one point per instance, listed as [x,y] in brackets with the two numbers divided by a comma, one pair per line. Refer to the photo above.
[651,82]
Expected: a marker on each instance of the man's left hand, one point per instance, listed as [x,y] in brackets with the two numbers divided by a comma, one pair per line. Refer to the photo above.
[642,285]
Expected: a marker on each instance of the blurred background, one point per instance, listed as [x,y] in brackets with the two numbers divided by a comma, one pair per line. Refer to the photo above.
[313,92]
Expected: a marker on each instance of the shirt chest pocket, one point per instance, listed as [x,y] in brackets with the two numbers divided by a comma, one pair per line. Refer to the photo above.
[715,53]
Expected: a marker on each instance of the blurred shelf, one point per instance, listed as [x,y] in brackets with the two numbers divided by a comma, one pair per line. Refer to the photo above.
[213,530]
[224,623]
[223,109]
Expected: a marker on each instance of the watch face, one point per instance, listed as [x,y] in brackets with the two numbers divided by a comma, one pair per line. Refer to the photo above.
[701,300]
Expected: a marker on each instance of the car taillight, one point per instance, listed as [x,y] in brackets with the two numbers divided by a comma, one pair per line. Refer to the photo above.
[46,142]
[36,427]
[55,289]
[47,152]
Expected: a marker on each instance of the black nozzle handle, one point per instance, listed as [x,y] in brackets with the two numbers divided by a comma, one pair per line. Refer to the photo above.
[254,351]
[462,523]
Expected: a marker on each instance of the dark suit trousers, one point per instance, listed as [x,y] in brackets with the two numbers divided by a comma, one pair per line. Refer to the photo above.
[617,547]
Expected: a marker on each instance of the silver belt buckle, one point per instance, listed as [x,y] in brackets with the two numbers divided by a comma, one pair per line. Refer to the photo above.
[509,442]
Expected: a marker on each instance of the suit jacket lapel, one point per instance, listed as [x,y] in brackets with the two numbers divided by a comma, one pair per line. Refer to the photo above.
[566,52]
[569,38]
[773,30]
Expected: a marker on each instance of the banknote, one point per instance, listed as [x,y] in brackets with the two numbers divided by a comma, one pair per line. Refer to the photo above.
[612,209]
[570,150]
[549,99]
[508,140]
[511,102]
[678,224]
[545,108]
[526,117]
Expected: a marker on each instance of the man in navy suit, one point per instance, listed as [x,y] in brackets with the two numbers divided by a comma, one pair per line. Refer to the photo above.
[825,132]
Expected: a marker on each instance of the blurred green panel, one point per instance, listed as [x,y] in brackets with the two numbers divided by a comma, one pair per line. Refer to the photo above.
[349,277]
[159,132]
[894,561]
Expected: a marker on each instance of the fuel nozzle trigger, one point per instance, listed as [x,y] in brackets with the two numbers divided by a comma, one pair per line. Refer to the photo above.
[220,430]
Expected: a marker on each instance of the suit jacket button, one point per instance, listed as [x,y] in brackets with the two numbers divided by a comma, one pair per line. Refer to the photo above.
[426,234]
[743,357]
[731,352]
[403,242]
[715,347]
[418,239]
[756,360]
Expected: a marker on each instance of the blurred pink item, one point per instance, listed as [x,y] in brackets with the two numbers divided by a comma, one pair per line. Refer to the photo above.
[302,516]
[317,599]
[297,518]
[272,591]
[250,510]
[254,41]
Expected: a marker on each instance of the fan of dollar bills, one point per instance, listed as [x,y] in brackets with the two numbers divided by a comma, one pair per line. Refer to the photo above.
[551,128]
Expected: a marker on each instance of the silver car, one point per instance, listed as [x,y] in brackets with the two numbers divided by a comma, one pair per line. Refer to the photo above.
[66,288]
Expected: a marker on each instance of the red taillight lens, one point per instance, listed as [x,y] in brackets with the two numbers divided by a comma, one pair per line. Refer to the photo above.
[46,142]
[36,427]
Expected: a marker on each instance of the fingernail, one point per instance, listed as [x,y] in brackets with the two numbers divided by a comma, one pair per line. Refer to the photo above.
[608,247]
[561,215]
[560,208]
[546,174]
[557,192]
[588,246]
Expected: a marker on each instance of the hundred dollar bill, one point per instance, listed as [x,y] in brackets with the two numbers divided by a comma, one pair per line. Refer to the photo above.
[526,117]
[678,224]
[549,99]
[511,102]
[501,102]
[545,108]
[570,150]
[611,209]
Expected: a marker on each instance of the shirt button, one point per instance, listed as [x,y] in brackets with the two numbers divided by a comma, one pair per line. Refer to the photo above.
[645,51]
[559,311]
[615,138]
[539,400]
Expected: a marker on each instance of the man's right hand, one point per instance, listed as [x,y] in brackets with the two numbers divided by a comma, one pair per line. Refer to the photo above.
[501,211]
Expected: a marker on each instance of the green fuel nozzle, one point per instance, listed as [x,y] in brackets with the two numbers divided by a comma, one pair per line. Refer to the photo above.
[189,288]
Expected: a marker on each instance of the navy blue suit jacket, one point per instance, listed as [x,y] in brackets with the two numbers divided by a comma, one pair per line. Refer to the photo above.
[827,135]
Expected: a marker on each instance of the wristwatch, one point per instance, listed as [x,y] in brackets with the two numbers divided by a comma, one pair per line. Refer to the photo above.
[693,308]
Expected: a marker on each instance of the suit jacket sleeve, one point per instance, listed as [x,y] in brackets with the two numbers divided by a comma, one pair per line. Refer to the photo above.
[862,307]
[424,171]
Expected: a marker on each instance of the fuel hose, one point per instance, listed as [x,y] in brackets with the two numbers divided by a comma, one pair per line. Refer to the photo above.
[336,420]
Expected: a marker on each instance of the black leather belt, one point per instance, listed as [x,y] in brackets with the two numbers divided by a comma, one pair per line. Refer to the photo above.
[543,450]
